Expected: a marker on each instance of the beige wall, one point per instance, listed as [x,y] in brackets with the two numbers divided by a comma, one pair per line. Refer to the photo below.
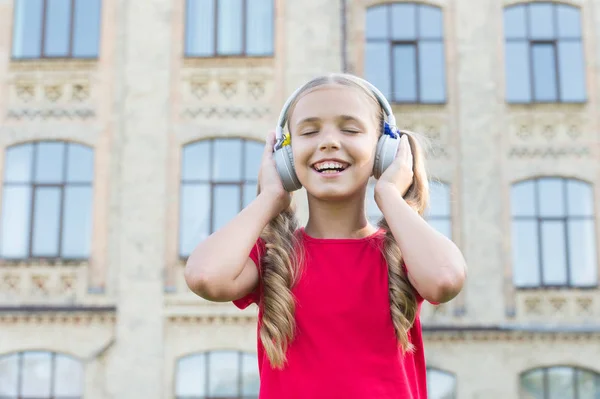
[142,101]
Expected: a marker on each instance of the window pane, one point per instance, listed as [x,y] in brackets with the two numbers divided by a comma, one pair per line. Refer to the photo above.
[522,199]
[49,162]
[199,27]
[560,383]
[431,25]
[377,66]
[442,225]
[226,204]
[439,199]
[18,164]
[58,24]
[405,73]
[191,376]
[223,374]
[27,31]
[227,160]
[9,375]
[440,385]
[196,161]
[582,252]
[404,21]
[68,377]
[532,385]
[569,21]
[259,30]
[77,222]
[36,374]
[229,36]
[551,197]
[514,22]
[572,71]
[526,265]
[16,209]
[432,79]
[377,23]
[541,21]
[588,385]
[580,198]
[80,164]
[554,256]
[518,83]
[250,377]
[249,193]
[253,157]
[86,29]
[544,72]
[46,221]
[194,220]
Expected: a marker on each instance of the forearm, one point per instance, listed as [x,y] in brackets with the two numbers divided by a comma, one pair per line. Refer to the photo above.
[222,256]
[436,267]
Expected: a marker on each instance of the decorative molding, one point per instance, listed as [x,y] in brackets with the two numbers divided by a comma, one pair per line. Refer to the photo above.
[557,306]
[549,152]
[241,319]
[226,112]
[53,65]
[30,114]
[57,316]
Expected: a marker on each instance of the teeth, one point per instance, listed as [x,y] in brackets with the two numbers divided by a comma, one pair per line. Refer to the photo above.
[329,165]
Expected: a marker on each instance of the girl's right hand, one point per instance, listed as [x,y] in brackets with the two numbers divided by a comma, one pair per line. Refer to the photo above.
[269,181]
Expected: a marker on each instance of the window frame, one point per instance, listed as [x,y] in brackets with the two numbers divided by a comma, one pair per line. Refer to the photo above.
[212,183]
[576,370]
[42,53]
[62,187]
[531,43]
[538,219]
[443,373]
[415,43]
[215,30]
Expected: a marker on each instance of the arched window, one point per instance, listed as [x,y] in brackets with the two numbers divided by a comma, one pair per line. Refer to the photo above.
[438,214]
[218,179]
[553,237]
[216,28]
[544,53]
[40,375]
[440,384]
[217,374]
[560,382]
[404,52]
[47,201]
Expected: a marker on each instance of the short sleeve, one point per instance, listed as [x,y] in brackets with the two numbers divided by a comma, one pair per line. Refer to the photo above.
[257,252]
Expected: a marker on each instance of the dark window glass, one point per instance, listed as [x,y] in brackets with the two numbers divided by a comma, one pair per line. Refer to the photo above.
[560,382]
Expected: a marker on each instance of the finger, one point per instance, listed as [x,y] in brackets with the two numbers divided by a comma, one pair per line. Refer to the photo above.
[269,143]
[407,149]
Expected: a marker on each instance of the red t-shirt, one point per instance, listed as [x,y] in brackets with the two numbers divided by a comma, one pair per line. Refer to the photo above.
[345,346]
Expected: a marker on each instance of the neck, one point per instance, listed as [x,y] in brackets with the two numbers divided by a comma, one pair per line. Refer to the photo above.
[338,219]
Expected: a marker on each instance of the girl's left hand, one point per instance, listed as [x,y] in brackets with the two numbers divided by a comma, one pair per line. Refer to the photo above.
[400,173]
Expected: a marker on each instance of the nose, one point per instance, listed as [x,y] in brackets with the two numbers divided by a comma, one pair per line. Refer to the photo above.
[330,139]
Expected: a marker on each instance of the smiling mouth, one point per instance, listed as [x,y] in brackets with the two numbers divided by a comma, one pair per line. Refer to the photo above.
[330,167]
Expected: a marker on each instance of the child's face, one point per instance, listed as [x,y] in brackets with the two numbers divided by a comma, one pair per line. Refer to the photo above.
[334,126]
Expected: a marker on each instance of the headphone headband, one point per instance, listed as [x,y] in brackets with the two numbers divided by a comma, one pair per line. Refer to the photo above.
[283,116]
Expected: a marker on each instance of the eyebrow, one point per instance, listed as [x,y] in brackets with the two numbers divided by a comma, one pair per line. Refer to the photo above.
[342,117]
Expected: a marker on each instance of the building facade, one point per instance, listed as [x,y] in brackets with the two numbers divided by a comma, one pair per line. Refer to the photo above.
[131,129]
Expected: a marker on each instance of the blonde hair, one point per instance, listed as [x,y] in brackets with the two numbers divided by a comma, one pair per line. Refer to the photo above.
[281,265]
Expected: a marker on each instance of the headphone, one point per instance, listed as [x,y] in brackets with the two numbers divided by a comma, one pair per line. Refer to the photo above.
[387,145]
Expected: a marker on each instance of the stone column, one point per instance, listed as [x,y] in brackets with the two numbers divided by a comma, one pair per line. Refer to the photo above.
[479,73]
[141,109]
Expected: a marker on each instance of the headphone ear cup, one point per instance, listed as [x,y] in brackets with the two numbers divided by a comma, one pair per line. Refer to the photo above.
[284,162]
[387,148]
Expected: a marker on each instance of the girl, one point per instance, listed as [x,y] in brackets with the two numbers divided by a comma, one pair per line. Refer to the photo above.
[338,299]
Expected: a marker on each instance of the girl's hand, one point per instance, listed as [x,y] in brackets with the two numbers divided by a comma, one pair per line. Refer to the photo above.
[269,181]
[400,173]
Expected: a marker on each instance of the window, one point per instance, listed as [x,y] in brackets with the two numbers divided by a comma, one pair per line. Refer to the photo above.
[218,374]
[553,234]
[218,179]
[438,214]
[404,55]
[544,54]
[440,384]
[47,201]
[56,28]
[40,375]
[229,28]
[559,382]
